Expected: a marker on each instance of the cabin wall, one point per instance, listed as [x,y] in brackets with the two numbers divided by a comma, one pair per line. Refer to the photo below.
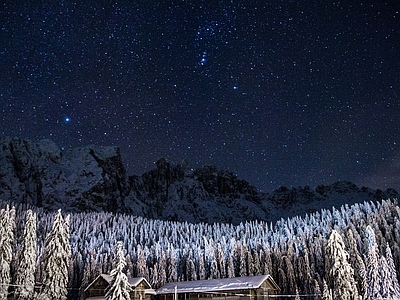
[254,294]
[139,292]
[97,288]
[266,288]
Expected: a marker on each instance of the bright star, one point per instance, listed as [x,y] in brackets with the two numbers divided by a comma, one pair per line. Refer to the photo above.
[203,58]
[67,119]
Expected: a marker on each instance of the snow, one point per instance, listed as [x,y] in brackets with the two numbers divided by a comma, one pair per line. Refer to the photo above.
[135,281]
[56,258]
[92,178]
[211,285]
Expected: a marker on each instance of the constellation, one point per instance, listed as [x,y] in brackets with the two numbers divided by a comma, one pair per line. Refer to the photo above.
[203,58]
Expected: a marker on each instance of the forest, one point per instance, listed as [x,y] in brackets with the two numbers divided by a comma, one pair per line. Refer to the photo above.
[351,252]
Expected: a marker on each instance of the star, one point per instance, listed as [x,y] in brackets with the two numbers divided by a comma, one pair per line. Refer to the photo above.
[203,58]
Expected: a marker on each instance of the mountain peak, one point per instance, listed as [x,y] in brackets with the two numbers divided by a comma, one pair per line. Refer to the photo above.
[93,178]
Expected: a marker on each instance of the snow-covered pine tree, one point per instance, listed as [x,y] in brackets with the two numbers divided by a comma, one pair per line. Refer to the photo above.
[56,259]
[172,272]
[316,291]
[25,274]
[372,274]
[221,261]
[240,254]
[303,272]
[281,278]
[160,268]
[392,284]
[386,279]
[202,270]
[256,263]
[141,264]
[119,286]
[68,250]
[287,266]
[249,262]
[297,294]
[190,270]
[230,269]
[214,271]
[326,292]
[90,272]
[7,225]
[356,260]
[276,259]
[266,261]
[340,274]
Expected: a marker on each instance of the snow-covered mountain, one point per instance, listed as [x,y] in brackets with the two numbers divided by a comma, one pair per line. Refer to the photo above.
[93,178]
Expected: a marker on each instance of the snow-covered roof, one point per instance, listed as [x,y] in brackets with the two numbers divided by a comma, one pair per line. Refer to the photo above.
[133,281]
[217,285]
[150,292]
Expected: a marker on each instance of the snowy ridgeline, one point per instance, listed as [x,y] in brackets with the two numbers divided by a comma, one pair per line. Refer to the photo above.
[296,252]
[93,179]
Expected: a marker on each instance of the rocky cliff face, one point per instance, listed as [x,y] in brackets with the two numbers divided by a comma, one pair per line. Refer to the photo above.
[204,195]
[93,178]
[38,173]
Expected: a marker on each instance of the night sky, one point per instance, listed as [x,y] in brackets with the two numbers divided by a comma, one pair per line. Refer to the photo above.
[286,92]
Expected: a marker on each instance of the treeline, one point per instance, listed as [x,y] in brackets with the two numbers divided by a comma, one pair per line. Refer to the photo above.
[302,253]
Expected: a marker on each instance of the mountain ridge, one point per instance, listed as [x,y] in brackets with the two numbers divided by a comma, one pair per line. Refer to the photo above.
[93,178]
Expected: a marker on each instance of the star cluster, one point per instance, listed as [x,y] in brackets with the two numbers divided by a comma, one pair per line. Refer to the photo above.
[282,93]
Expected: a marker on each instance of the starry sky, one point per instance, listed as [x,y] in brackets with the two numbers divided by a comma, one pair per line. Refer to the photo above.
[288,93]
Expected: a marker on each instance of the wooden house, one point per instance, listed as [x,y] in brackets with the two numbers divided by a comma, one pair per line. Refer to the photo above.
[141,288]
[249,288]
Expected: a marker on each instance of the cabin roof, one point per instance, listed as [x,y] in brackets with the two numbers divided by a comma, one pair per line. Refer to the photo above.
[217,285]
[133,281]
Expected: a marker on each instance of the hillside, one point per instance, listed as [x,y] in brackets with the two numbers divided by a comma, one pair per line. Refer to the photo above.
[93,178]
[293,251]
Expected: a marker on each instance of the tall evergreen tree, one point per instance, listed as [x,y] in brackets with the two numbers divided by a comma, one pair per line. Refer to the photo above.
[290,276]
[391,282]
[297,294]
[340,274]
[56,259]
[373,275]
[316,291]
[172,272]
[25,274]
[160,267]
[190,270]
[266,261]
[202,270]
[90,272]
[326,292]
[356,261]
[221,261]
[141,264]
[282,281]
[230,269]
[119,287]
[386,280]
[7,225]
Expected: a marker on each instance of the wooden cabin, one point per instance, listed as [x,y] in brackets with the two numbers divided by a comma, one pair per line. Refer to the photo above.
[249,288]
[97,289]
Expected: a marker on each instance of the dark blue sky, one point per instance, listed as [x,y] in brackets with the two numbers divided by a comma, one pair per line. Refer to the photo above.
[284,93]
